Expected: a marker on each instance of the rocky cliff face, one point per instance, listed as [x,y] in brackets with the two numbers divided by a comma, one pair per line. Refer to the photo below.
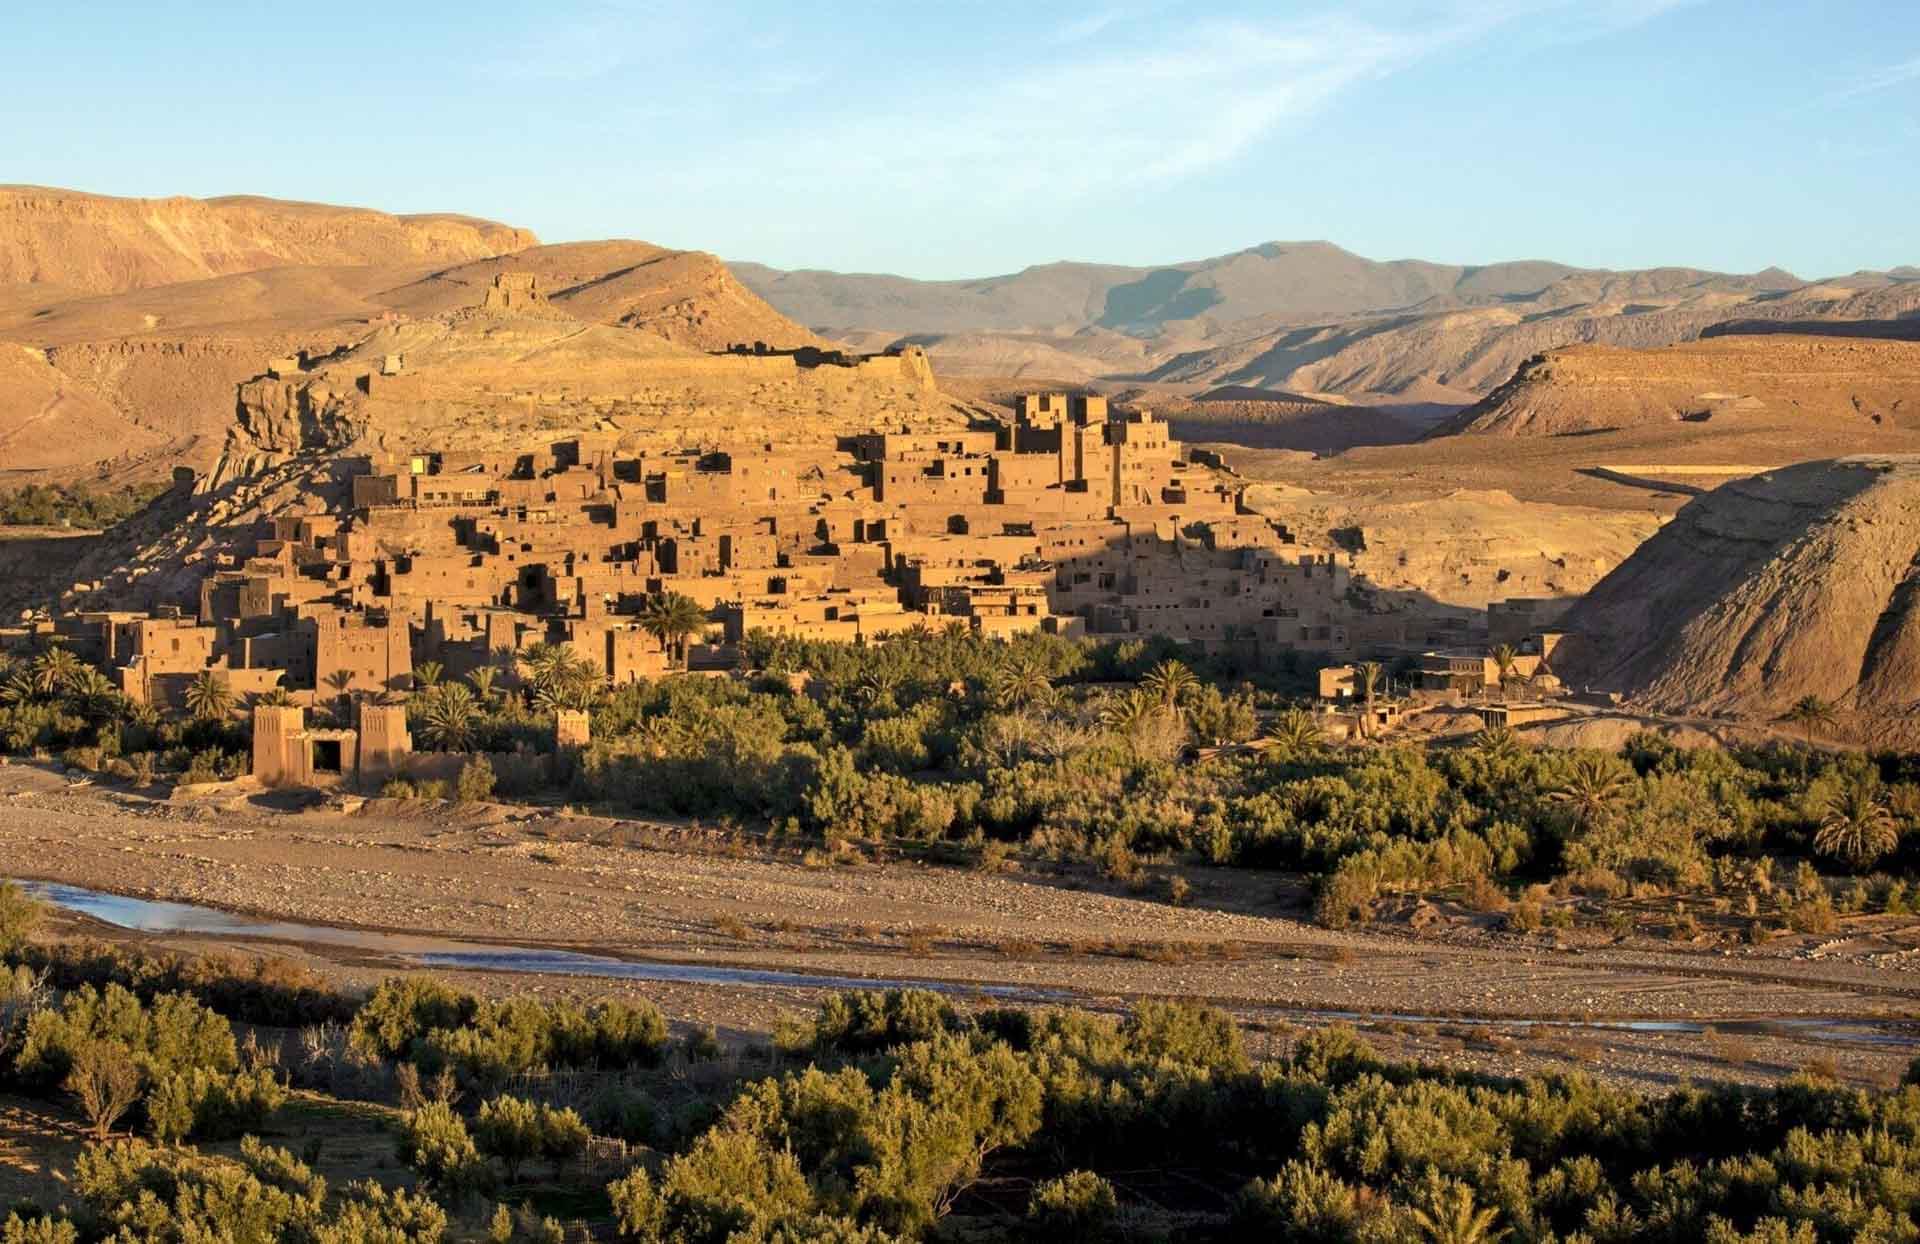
[1801,581]
[86,243]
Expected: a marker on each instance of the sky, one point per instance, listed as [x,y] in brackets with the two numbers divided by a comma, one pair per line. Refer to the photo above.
[976,137]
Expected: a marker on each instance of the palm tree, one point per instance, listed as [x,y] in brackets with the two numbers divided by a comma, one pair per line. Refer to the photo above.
[1368,674]
[426,675]
[278,697]
[539,661]
[1499,743]
[1592,790]
[485,682]
[1171,681]
[17,687]
[54,669]
[1128,711]
[1808,712]
[878,684]
[1857,826]
[1505,666]
[1020,683]
[449,717]
[577,685]
[673,619]
[93,695]
[656,737]
[341,681]
[1298,731]
[1448,1216]
[208,697]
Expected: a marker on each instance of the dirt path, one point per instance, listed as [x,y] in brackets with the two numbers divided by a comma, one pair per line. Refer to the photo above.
[525,877]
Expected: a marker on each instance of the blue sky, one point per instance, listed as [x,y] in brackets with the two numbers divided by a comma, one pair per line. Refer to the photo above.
[970,138]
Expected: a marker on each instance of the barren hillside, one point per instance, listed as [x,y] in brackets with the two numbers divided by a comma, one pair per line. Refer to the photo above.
[1853,388]
[89,243]
[133,382]
[1802,581]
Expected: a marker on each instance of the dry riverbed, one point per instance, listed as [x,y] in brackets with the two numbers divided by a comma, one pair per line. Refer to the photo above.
[551,879]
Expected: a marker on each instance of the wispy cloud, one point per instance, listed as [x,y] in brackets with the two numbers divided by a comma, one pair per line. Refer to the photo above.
[1080,29]
[1115,103]
[1878,80]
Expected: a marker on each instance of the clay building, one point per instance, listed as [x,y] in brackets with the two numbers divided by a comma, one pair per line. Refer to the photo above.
[1068,517]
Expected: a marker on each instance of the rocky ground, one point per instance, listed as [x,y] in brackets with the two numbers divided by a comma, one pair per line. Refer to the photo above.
[1434,982]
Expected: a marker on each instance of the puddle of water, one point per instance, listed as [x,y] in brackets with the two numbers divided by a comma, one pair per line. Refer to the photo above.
[159,916]
[1867,1031]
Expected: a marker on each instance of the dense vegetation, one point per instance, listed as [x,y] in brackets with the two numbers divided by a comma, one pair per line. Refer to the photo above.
[1061,752]
[63,505]
[901,1116]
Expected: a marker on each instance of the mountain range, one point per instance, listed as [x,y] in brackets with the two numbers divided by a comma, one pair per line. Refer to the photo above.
[1307,317]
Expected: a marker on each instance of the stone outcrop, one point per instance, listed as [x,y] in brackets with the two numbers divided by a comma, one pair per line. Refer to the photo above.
[1802,581]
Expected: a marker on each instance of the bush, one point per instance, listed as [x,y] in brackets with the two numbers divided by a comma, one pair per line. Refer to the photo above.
[133,1191]
[476,781]
[869,1021]
[434,1141]
[1184,1033]
[486,1041]
[509,1129]
[515,1131]
[20,915]
[37,1229]
[1526,916]
[1080,1205]
[210,1106]
[175,1034]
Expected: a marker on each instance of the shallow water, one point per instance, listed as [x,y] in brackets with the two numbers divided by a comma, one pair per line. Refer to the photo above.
[159,916]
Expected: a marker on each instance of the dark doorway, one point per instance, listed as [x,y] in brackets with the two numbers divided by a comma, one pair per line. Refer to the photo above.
[326,755]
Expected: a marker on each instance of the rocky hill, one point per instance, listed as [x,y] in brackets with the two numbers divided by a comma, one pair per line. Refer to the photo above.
[131,383]
[1851,387]
[511,368]
[1802,581]
[89,243]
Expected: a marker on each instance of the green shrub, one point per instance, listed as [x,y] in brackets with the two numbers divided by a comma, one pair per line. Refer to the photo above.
[476,781]
[134,1191]
[488,1041]
[20,915]
[37,1229]
[175,1035]
[869,1021]
[1080,1205]
[1184,1033]
[564,1137]
[509,1129]
[211,1106]
[434,1141]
